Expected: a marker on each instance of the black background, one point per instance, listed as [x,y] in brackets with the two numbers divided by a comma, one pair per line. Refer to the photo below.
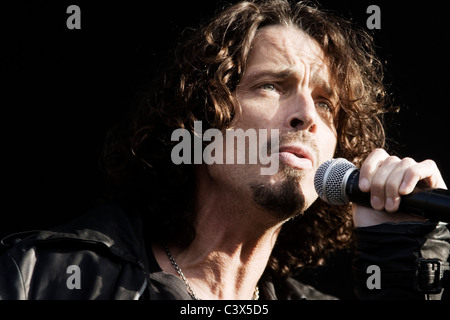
[62,89]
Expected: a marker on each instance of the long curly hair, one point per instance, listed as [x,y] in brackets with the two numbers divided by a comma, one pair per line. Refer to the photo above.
[198,85]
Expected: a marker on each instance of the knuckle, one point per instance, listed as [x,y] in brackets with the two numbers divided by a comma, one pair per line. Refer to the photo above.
[392,160]
[430,163]
[412,172]
[380,151]
[370,167]
[377,187]
[377,155]
[391,188]
[407,162]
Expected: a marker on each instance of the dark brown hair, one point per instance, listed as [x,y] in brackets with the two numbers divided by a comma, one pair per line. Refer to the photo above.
[198,86]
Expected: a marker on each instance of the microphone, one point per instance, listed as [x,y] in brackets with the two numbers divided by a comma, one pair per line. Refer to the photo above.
[336,183]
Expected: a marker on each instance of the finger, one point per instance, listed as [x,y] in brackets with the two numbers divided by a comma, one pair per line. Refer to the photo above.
[425,171]
[369,167]
[393,183]
[378,185]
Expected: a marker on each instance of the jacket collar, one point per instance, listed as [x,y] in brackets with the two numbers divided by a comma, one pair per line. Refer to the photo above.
[106,225]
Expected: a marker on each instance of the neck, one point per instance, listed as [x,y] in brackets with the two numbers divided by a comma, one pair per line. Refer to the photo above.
[230,251]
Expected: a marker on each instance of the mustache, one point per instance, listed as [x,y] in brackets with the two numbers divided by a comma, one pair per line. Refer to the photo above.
[300,137]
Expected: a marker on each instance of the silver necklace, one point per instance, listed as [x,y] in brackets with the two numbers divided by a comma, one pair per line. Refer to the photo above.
[186,282]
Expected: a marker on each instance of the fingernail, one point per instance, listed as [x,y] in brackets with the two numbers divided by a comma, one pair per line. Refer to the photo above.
[403,188]
[389,204]
[376,203]
[364,184]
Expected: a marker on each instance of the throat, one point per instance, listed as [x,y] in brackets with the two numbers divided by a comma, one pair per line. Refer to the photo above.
[189,288]
[216,272]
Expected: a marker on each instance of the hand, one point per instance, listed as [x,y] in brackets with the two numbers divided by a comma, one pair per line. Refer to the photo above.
[387,178]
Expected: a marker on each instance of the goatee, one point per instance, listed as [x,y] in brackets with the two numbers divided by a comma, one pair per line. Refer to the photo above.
[282,199]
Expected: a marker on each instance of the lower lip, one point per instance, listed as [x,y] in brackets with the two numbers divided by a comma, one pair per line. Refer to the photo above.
[292,160]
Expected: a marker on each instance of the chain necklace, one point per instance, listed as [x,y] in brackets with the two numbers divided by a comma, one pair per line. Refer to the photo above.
[186,282]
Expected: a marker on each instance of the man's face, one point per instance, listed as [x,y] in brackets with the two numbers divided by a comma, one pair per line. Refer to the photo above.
[286,86]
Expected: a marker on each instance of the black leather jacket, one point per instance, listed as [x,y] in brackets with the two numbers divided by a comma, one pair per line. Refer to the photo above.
[101,255]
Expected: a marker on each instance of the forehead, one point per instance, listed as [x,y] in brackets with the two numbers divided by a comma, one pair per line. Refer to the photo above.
[278,46]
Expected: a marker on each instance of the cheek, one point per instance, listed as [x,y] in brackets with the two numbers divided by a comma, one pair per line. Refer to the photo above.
[255,119]
[258,112]
[327,142]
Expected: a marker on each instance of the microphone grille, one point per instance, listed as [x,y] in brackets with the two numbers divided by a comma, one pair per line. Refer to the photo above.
[329,180]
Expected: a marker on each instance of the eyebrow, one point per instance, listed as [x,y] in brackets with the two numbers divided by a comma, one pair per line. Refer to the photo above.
[322,83]
[276,74]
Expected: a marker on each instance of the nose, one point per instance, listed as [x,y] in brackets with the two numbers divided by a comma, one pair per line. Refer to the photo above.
[302,114]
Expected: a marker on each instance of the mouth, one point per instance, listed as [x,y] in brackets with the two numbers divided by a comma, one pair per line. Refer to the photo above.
[296,156]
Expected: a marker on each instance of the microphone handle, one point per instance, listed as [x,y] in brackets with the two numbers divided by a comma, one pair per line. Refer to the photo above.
[433,204]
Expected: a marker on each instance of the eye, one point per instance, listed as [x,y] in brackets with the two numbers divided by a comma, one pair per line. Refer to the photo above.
[327,111]
[268,87]
[325,106]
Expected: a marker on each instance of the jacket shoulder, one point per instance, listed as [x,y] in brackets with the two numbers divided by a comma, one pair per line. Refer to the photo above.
[93,257]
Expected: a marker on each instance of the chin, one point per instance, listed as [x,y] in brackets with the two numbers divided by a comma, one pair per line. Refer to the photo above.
[282,195]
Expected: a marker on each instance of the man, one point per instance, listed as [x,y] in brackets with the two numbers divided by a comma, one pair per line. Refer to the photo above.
[222,229]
